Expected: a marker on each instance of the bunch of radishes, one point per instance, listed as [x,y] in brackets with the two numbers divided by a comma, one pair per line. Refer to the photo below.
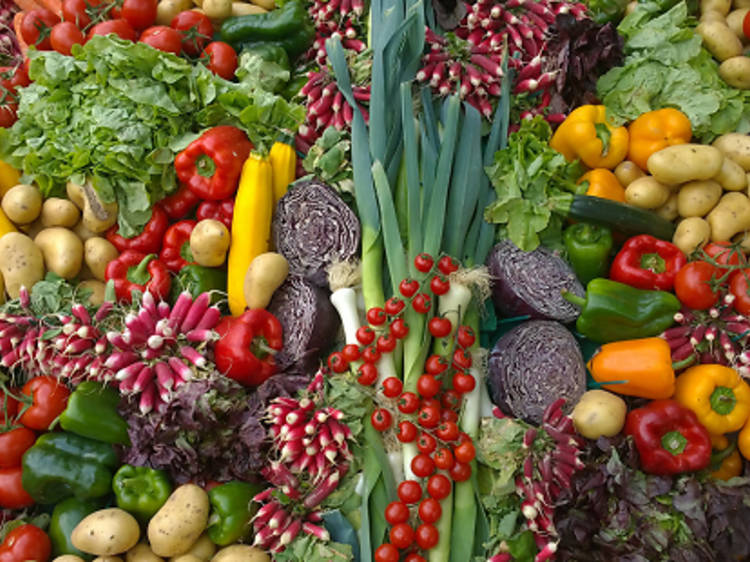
[10,53]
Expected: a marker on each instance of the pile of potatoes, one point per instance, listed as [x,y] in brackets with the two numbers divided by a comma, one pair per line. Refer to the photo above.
[59,235]
[721,29]
[175,533]
[216,10]
[705,187]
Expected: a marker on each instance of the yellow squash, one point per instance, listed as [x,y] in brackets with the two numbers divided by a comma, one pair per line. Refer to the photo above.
[284,163]
[9,177]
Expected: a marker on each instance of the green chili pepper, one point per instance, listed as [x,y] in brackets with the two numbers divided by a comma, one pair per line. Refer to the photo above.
[588,247]
[66,515]
[613,311]
[141,490]
[232,509]
[197,279]
[92,412]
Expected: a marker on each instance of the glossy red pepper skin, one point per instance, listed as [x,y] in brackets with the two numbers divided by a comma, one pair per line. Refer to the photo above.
[180,203]
[148,241]
[219,210]
[244,351]
[646,262]
[136,271]
[175,251]
[26,542]
[661,423]
[211,165]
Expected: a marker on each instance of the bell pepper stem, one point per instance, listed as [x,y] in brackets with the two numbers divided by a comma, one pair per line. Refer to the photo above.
[139,274]
[573,298]
[674,442]
[677,365]
[723,400]
[653,262]
[205,166]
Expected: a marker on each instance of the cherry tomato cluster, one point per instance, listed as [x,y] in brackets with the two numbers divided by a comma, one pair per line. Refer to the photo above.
[10,79]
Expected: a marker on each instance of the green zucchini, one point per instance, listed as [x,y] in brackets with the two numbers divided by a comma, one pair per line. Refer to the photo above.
[276,25]
[620,217]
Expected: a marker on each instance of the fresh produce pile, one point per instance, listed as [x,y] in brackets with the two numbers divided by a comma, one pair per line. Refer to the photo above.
[334,280]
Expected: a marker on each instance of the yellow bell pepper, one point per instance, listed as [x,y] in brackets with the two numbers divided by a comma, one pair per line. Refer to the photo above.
[604,184]
[251,226]
[731,465]
[6,225]
[655,130]
[9,177]
[284,163]
[717,395]
[587,135]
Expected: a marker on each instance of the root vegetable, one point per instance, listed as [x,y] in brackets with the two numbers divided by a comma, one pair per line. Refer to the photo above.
[180,521]
[245,9]
[599,413]
[729,217]
[209,243]
[685,162]
[734,22]
[21,262]
[187,558]
[721,6]
[142,553]
[106,532]
[97,288]
[68,558]
[267,4]
[731,176]
[22,203]
[202,549]
[669,209]
[82,232]
[712,15]
[647,193]
[217,9]
[265,274]
[737,147]
[57,211]
[720,41]
[241,553]
[32,229]
[735,71]
[697,198]
[166,10]
[98,216]
[627,172]
[107,559]
[62,251]
[691,234]
[98,252]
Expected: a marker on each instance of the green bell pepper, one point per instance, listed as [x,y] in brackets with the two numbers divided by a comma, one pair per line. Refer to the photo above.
[60,465]
[232,510]
[141,490]
[92,412]
[197,279]
[613,311]
[66,515]
[588,246]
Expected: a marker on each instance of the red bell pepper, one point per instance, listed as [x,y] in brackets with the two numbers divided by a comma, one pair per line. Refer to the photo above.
[219,210]
[180,203]
[246,346]
[136,271]
[148,241]
[211,165]
[175,252]
[646,262]
[669,438]
[26,542]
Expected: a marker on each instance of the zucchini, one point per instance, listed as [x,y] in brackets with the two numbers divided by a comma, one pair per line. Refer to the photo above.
[620,217]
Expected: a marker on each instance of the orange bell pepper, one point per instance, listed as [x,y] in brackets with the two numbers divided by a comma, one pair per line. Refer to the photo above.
[640,367]
[587,135]
[726,464]
[604,184]
[743,440]
[9,177]
[655,130]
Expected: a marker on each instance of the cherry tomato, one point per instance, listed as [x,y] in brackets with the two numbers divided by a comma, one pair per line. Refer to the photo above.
[337,363]
[401,535]
[692,285]
[17,76]
[448,265]
[222,59]
[386,553]
[392,387]
[408,287]
[27,542]
[738,287]
[427,536]
[424,262]
[408,403]
[450,399]
[447,431]
[64,35]
[463,382]
[196,30]
[140,14]
[414,557]
[428,386]
[435,364]
[79,12]
[465,336]
[119,27]
[443,458]
[13,444]
[461,359]
[386,343]
[439,326]
[396,512]
[12,494]
[448,415]
[426,443]
[465,452]
[422,303]
[381,419]
[399,329]
[430,403]
[163,38]
[36,26]
[394,305]
[429,510]
[429,416]
[422,465]
[376,316]
[368,374]
[49,399]
[725,253]
[350,352]
[439,285]
[439,486]
[409,492]
[370,354]
[460,472]
[407,432]
[365,335]
[8,106]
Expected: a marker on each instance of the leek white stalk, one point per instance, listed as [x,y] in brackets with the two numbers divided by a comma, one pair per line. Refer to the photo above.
[343,277]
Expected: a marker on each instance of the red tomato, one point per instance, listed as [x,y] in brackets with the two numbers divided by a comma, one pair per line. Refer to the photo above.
[426,443]
[27,542]
[12,494]
[427,536]
[80,12]
[35,26]
[13,444]
[163,38]
[392,387]
[429,416]
[14,77]
[409,491]
[422,465]
[401,535]
[49,399]
[396,512]
[140,14]
[430,510]
[381,419]
[738,286]
[196,29]
[439,486]
[443,458]
[463,382]
[439,326]
[465,452]
[428,385]
[408,403]
[119,27]
[725,253]
[448,431]
[423,262]
[692,285]
[460,472]
[386,553]
[8,113]
[407,432]
[64,35]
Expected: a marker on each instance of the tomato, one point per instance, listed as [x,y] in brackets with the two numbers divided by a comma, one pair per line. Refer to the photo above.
[423,262]
[119,27]
[443,458]
[408,403]
[465,452]
[448,415]
[439,285]
[461,359]
[463,382]
[407,432]
[439,486]
[738,287]
[465,336]
[414,557]
[448,431]
[460,472]
[396,512]
[746,25]
[394,305]
[422,465]
[408,287]
[409,491]
[80,12]
[448,265]
[692,285]
[392,387]
[426,443]
[401,535]
[196,30]
[422,303]
[376,316]
[368,374]
[163,38]
[725,253]
[8,114]
[370,354]
[365,335]
[386,553]
[427,536]
[430,510]
[428,386]
[337,363]
[450,399]
[27,542]
[386,343]
[429,416]
[399,329]
[13,444]
[64,35]
[35,27]
[14,77]
[140,14]
[12,494]
[381,419]
[49,399]
[435,364]
[350,352]
[439,326]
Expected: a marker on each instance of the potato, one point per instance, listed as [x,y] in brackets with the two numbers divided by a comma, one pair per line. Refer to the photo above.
[627,172]
[68,558]
[82,232]
[105,532]
[721,6]
[33,228]
[202,549]
[265,4]
[740,4]
[241,553]
[57,211]
[209,242]
[697,198]
[21,262]
[691,234]
[166,10]
[97,288]
[2,289]
[98,216]
[142,553]
[734,22]
[187,558]
[720,41]
[735,71]
[22,203]
[179,522]
[713,15]
[98,252]
[685,162]
[599,413]
[669,211]
[107,559]
[62,251]
[729,217]
[731,176]
[245,9]
[647,193]
[217,9]
[737,147]
[264,275]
